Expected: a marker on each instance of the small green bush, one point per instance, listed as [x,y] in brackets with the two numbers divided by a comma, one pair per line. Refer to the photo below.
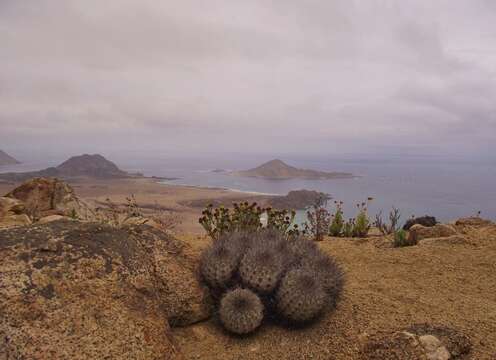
[358,226]
[337,221]
[362,222]
[402,239]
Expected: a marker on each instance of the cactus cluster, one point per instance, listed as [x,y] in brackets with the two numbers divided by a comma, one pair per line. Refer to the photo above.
[268,273]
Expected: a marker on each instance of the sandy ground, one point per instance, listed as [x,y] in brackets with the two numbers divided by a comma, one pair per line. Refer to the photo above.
[387,289]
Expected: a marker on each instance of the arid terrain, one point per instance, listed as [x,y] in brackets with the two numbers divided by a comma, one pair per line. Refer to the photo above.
[444,286]
[149,193]
[439,282]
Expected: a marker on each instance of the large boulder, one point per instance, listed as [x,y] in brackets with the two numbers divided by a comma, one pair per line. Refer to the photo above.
[73,290]
[50,196]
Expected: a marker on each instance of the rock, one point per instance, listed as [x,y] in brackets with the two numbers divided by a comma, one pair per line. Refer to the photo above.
[441,353]
[15,220]
[449,240]
[50,218]
[12,213]
[421,341]
[426,220]
[429,342]
[89,291]
[297,199]
[437,231]
[50,196]
[473,221]
[433,348]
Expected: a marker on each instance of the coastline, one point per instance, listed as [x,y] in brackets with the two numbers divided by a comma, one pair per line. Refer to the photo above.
[206,187]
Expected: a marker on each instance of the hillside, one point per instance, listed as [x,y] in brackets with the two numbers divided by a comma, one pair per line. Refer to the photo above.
[94,166]
[90,165]
[6,159]
[279,170]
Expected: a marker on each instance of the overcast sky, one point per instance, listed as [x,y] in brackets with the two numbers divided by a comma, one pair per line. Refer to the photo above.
[281,76]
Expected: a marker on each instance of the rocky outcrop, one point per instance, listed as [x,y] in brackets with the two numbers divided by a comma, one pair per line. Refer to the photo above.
[473,221]
[41,197]
[73,290]
[297,199]
[12,213]
[420,232]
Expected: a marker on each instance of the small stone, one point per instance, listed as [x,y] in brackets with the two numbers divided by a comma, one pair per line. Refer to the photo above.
[429,342]
[50,218]
[255,348]
[51,245]
[411,337]
[440,354]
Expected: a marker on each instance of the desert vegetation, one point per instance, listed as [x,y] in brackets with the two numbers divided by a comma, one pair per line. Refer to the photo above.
[272,271]
[269,274]
[130,212]
[321,222]
[246,217]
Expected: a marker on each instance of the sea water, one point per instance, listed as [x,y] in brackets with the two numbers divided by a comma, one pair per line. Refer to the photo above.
[444,188]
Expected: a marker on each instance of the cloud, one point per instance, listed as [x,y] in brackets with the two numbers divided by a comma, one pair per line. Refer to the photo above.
[281,76]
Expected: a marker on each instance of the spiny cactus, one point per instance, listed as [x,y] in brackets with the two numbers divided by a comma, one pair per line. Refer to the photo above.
[328,273]
[261,268]
[271,238]
[299,248]
[289,272]
[219,263]
[301,296]
[241,311]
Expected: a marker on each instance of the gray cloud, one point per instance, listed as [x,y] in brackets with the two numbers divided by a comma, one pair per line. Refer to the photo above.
[279,76]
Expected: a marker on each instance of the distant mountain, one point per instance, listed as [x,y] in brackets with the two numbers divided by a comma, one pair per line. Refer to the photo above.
[279,170]
[6,159]
[95,166]
[90,165]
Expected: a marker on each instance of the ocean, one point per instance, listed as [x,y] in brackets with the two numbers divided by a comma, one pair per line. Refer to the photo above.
[446,189]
